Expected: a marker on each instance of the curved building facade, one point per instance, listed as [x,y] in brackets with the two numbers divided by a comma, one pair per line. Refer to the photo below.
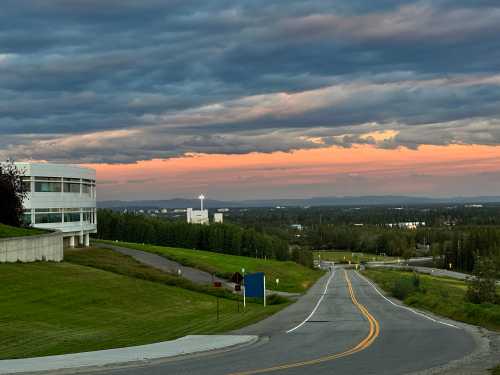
[61,197]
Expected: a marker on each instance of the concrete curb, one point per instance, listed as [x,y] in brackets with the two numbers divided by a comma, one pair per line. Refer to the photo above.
[191,344]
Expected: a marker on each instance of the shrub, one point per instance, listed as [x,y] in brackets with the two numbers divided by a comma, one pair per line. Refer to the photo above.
[276,299]
[12,193]
[403,287]
[482,286]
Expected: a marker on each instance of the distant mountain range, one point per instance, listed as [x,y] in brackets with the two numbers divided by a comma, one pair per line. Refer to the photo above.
[318,201]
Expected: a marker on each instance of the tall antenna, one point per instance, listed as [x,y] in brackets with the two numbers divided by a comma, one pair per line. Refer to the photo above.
[201,198]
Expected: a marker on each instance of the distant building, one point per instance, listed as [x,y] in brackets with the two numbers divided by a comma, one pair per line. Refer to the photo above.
[197,216]
[223,210]
[163,211]
[61,197]
[218,218]
[407,225]
[298,227]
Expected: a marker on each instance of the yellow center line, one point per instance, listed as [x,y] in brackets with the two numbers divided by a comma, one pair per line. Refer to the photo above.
[362,345]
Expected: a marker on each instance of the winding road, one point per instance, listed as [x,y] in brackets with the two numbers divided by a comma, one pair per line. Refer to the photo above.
[343,325]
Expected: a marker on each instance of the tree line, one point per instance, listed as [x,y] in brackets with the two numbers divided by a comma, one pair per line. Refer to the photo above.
[458,247]
[223,238]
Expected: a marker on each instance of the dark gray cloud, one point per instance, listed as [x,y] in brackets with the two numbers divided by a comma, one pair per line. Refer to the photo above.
[121,81]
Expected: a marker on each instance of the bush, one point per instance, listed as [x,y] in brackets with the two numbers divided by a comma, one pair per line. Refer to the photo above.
[482,286]
[276,299]
[404,286]
[12,193]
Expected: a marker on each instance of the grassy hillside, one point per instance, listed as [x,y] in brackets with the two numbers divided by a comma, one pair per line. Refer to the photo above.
[55,308]
[293,277]
[8,231]
[109,260]
[346,256]
[440,295]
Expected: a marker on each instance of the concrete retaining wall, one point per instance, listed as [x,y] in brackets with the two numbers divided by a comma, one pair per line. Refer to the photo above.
[32,248]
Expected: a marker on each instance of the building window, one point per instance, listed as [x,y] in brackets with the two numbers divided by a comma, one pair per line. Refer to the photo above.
[71,217]
[47,187]
[48,215]
[71,187]
[87,216]
[26,218]
[43,218]
[86,189]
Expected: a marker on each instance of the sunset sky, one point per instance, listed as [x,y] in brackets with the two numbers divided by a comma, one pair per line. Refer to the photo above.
[256,99]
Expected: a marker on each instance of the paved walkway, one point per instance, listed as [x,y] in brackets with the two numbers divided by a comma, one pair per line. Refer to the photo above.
[166,265]
[185,345]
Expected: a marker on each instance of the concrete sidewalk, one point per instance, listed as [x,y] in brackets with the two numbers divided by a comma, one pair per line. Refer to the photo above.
[182,346]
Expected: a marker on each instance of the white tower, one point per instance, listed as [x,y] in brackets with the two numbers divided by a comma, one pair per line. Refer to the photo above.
[201,198]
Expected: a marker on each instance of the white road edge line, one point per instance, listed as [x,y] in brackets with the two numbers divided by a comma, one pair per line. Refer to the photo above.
[317,304]
[404,307]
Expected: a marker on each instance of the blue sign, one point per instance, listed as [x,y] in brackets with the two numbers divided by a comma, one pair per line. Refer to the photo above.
[254,285]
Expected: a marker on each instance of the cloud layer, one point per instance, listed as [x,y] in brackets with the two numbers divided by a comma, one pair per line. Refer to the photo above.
[122,81]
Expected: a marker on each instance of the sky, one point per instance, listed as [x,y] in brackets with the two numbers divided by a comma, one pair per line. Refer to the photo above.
[256,99]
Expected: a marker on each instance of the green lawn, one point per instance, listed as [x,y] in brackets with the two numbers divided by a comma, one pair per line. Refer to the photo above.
[346,256]
[56,308]
[441,295]
[109,260]
[8,231]
[292,277]
[496,370]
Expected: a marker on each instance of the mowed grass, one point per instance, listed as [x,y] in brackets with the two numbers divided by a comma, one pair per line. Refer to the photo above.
[292,277]
[8,231]
[441,295]
[346,256]
[122,264]
[56,308]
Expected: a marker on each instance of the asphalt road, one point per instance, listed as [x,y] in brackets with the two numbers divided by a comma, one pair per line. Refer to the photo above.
[361,333]
[427,270]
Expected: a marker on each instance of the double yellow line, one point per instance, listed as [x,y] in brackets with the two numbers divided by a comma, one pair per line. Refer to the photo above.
[362,345]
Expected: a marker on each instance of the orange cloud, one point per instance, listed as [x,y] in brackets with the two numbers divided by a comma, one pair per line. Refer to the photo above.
[301,173]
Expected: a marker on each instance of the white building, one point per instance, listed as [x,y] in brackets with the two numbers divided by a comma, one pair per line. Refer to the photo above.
[218,218]
[407,225]
[197,216]
[61,197]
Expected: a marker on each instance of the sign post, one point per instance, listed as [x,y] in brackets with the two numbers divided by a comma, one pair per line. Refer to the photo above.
[237,279]
[264,290]
[244,290]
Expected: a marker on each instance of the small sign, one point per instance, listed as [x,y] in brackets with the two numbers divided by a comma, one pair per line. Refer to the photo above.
[217,284]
